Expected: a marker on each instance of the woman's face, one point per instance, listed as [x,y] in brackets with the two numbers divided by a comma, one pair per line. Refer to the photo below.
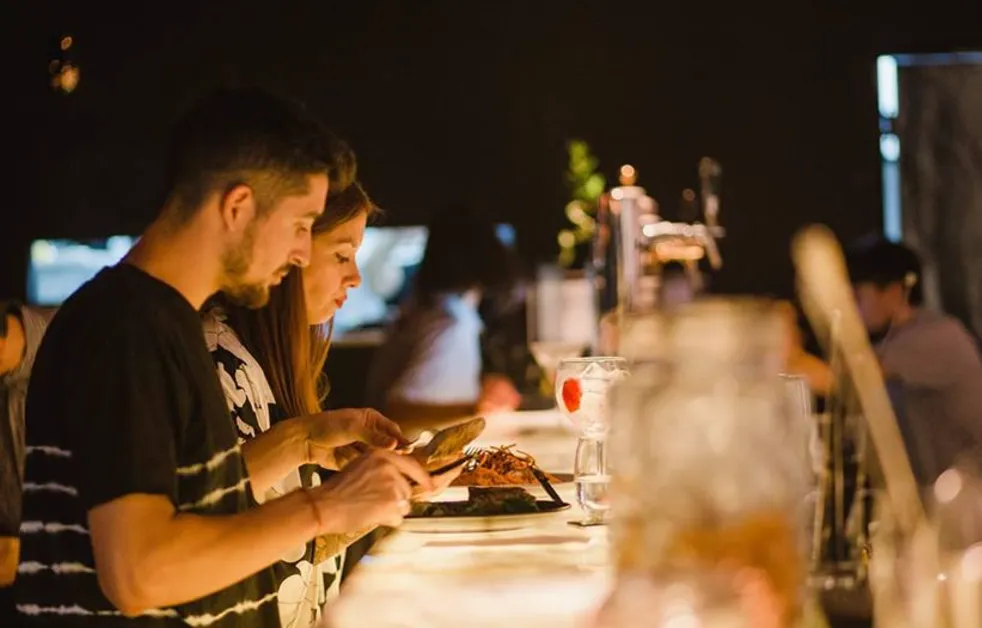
[332,269]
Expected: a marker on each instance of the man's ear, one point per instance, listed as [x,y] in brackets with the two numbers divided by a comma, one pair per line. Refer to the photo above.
[238,207]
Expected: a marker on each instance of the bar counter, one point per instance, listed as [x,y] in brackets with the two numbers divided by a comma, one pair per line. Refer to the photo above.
[554,574]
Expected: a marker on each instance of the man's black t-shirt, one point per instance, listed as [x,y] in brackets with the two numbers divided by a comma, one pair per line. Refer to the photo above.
[124,399]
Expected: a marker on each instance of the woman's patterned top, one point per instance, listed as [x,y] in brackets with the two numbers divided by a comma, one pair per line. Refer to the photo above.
[304,587]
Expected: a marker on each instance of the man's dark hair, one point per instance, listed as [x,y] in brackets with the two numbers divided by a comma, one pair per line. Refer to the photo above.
[249,136]
[882,263]
[463,252]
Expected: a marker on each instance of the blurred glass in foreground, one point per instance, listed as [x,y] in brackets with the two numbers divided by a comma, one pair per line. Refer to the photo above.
[711,474]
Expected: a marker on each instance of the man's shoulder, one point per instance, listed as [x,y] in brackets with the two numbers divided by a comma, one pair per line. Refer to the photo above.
[943,326]
[102,318]
[119,297]
[42,315]
[936,335]
[36,320]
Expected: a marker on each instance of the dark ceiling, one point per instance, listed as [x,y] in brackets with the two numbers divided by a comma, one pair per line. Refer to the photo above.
[474,101]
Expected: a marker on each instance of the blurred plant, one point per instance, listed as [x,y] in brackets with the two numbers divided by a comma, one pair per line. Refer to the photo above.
[586,186]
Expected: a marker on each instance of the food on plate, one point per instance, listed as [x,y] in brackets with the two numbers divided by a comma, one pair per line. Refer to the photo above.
[448,444]
[500,466]
[572,392]
[481,502]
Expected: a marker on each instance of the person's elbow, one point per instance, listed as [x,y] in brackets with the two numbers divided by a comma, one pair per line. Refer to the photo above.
[136,585]
[126,585]
[131,559]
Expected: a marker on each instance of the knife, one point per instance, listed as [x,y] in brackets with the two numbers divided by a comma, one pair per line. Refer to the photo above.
[541,477]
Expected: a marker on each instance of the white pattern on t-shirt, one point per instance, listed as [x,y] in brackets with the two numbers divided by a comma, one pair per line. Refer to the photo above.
[248,392]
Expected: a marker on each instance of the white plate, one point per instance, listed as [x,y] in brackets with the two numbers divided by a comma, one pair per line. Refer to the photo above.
[490,523]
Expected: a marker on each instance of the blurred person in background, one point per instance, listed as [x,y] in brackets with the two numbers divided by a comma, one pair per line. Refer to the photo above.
[798,360]
[430,366]
[930,362]
[929,357]
[21,330]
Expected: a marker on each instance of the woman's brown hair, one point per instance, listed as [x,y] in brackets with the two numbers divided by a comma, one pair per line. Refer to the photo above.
[290,351]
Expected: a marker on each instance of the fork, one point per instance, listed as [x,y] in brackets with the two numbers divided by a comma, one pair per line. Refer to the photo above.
[471,453]
[468,461]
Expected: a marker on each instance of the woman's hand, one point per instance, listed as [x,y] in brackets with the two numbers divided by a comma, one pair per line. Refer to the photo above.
[335,437]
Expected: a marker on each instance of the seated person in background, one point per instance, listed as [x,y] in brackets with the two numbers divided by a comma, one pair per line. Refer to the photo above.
[21,329]
[930,354]
[429,367]
[798,361]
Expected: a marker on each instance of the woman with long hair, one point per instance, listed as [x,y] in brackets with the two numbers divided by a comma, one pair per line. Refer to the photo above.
[270,361]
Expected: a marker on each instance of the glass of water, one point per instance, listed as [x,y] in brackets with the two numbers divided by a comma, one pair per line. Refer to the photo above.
[592,478]
[582,387]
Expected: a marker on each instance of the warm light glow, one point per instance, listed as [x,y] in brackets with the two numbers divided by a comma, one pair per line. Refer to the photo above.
[647,205]
[575,213]
[678,251]
[972,563]
[67,79]
[664,228]
[947,486]
[566,239]
[66,42]
[628,175]
[682,618]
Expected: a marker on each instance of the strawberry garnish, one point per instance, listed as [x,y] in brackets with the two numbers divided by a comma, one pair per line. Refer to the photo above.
[571,393]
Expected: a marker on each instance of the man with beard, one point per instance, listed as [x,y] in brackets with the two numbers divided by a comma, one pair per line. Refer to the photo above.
[139,504]
[929,359]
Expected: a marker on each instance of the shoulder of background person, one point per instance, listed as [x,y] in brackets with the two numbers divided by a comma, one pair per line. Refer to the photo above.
[44,313]
[944,325]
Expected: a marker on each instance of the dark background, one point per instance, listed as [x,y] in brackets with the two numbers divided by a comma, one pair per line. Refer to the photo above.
[474,101]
